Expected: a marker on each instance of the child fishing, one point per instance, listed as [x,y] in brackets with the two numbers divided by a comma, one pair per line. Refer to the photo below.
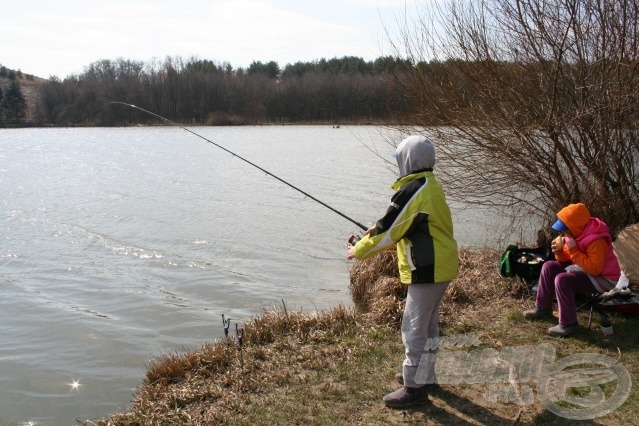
[418,220]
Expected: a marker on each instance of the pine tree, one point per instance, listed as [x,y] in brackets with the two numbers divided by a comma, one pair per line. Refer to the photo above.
[14,105]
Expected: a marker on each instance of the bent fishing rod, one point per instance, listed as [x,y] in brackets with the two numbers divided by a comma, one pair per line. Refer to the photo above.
[245,160]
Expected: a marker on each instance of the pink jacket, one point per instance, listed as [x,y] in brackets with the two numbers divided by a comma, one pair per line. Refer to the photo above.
[596,229]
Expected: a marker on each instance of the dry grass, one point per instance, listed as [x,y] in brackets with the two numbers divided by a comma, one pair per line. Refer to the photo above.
[211,385]
[315,326]
[332,367]
[376,289]
[170,369]
[366,273]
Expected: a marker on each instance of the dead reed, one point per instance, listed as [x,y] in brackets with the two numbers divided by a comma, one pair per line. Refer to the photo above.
[377,291]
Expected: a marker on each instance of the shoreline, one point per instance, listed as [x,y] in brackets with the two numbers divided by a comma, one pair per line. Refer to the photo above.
[334,366]
[265,124]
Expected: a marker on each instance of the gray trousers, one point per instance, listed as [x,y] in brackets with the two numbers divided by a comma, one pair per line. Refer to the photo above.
[419,323]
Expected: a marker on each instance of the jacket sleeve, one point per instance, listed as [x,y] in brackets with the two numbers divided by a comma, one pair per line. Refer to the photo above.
[592,261]
[389,229]
[563,255]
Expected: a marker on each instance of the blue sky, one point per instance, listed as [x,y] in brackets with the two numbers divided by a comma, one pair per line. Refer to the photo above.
[60,38]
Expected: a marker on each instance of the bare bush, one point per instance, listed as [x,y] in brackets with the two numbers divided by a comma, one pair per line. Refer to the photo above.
[534,103]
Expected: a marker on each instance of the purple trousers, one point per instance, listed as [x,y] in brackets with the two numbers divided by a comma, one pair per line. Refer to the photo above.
[555,281]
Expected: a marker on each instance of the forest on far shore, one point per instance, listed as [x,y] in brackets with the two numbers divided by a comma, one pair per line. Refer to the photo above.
[197,91]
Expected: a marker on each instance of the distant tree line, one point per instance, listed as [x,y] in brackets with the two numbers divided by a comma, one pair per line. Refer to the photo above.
[12,74]
[13,105]
[197,91]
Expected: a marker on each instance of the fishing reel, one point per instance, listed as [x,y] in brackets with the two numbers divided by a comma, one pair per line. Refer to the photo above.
[353,239]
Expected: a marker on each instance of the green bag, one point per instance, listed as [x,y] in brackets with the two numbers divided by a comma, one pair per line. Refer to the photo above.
[523,262]
[506,268]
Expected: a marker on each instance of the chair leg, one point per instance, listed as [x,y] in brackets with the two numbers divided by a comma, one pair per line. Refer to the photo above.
[605,319]
[592,305]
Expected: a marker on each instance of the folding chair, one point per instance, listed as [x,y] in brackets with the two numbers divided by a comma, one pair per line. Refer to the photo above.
[618,300]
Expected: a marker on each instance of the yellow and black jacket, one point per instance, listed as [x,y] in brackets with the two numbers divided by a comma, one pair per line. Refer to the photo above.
[419,221]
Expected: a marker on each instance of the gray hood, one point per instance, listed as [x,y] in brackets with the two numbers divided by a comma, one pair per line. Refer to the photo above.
[413,154]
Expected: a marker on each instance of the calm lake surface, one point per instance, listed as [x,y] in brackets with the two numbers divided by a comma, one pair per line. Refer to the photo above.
[120,245]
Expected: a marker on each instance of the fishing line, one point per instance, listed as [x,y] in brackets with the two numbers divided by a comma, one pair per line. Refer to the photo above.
[245,160]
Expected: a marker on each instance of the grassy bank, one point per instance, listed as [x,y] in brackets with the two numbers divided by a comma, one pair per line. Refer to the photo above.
[333,367]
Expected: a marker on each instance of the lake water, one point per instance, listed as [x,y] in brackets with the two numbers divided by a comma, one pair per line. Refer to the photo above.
[120,245]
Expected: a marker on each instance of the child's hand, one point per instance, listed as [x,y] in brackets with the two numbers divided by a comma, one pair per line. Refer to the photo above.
[557,244]
[351,253]
[570,243]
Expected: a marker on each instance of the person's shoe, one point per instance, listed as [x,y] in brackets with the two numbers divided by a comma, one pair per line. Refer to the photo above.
[538,313]
[563,330]
[406,397]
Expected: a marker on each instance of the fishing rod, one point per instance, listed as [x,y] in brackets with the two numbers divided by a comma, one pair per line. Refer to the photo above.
[243,159]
